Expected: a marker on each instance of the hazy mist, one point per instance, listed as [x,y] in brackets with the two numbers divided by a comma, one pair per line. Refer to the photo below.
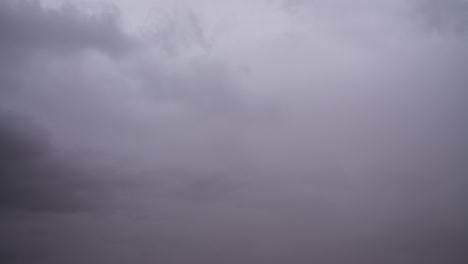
[234,131]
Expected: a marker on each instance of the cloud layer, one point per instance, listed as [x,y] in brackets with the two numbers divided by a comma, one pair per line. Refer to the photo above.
[234,132]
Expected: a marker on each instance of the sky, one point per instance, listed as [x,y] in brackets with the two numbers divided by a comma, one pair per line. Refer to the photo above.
[260,131]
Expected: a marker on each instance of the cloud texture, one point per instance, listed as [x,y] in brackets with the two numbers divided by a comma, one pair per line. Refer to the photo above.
[233,131]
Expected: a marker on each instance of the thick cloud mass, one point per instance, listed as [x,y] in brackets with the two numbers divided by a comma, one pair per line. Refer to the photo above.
[247,131]
[31,178]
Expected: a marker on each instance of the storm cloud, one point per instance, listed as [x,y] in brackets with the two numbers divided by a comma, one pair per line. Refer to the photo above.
[233,131]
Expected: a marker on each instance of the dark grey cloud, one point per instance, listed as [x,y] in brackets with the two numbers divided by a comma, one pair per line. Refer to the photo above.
[256,131]
[27,30]
[449,16]
[26,26]
[35,177]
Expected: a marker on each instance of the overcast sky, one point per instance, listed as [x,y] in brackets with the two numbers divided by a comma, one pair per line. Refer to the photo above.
[234,131]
